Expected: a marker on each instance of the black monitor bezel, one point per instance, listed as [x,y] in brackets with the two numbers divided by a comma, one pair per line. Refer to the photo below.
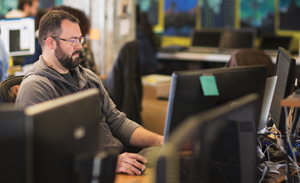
[281,124]
[170,110]
[17,157]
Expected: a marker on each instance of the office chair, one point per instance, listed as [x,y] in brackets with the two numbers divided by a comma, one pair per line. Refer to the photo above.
[247,57]
[9,89]
[124,83]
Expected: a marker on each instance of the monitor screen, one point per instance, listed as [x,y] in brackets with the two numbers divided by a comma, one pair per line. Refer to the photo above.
[18,36]
[270,42]
[188,93]
[237,39]
[206,38]
[285,72]
[218,145]
[16,145]
[64,128]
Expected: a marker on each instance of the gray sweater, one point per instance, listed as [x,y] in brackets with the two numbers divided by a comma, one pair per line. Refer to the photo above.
[42,83]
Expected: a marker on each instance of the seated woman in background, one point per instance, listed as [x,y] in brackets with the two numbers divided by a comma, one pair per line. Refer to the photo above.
[148,44]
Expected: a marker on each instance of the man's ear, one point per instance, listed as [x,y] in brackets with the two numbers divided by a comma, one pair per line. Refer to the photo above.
[51,43]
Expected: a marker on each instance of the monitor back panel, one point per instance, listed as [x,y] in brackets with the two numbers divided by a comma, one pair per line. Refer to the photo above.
[64,129]
[237,39]
[187,97]
[206,40]
[16,146]
[270,44]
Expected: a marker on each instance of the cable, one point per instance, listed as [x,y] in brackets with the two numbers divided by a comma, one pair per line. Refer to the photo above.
[264,174]
[293,121]
[185,173]
[259,143]
[266,150]
[284,151]
[290,144]
[297,125]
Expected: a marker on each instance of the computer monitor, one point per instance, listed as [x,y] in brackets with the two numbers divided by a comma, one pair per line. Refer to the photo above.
[188,96]
[272,42]
[218,145]
[16,145]
[285,72]
[237,39]
[18,36]
[64,128]
[207,38]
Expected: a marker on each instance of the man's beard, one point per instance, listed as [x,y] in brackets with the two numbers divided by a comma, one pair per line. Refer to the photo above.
[66,60]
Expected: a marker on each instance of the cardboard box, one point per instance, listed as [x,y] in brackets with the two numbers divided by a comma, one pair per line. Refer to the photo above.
[156,86]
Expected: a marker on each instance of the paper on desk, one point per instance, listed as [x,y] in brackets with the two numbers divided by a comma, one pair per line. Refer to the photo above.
[154,79]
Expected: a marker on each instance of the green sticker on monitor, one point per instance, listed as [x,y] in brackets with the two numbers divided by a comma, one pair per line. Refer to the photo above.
[209,85]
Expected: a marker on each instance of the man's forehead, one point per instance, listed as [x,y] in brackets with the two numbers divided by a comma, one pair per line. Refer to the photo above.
[70,29]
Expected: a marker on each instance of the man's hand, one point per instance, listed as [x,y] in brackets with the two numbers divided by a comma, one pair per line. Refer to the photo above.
[127,163]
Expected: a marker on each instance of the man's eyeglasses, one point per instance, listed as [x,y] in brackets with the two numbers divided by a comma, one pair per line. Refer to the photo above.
[74,42]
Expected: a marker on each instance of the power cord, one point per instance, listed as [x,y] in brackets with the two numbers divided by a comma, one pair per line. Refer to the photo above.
[290,144]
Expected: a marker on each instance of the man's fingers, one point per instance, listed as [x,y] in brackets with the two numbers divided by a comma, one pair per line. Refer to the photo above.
[124,170]
[136,156]
[128,168]
[135,163]
[128,165]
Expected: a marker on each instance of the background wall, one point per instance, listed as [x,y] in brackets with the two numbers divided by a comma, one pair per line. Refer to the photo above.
[173,20]
[278,17]
[108,35]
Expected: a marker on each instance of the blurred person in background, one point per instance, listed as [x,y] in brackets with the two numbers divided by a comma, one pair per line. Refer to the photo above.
[30,59]
[26,8]
[4,62]
[148,43]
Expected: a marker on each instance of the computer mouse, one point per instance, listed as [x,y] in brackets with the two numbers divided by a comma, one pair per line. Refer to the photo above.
[142,170]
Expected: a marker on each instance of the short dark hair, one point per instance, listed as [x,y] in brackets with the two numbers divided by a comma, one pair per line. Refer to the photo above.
[84,20]
[22,2]
[50,24]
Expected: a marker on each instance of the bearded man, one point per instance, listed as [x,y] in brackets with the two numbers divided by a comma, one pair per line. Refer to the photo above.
[57,73]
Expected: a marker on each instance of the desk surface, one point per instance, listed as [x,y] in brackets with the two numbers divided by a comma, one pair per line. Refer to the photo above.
[291,101]
[208,57]
[278,177]
[147,177]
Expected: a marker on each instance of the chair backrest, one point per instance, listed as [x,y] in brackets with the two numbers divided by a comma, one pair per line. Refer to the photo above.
[124,82]
[247,57]
[9,89]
